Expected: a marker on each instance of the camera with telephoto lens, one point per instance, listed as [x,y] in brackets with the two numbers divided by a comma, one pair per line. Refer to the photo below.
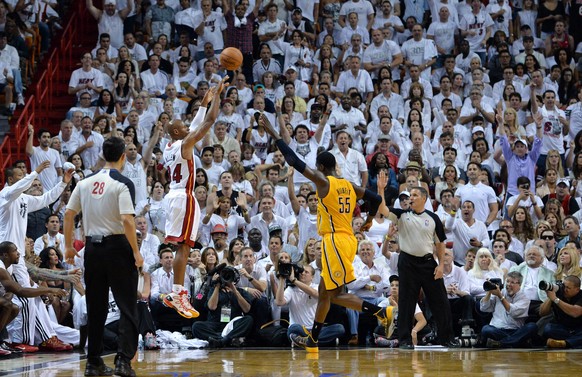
[229,274]
[285,269]
[492,284]
[550,286]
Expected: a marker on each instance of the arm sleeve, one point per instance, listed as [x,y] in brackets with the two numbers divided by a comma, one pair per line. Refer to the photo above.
[37,202]
[198,119]
[12,193]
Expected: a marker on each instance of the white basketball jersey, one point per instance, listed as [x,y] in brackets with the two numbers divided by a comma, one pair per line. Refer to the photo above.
[182,171]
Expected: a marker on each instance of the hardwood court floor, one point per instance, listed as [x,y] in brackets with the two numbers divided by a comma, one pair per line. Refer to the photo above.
[331,362]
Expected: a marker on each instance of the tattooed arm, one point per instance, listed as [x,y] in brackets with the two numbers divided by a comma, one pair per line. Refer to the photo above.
[44,274]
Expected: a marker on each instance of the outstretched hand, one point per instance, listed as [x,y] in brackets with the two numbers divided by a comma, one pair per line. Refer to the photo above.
[70,254]
[222,85]
[42,166]
[382,181]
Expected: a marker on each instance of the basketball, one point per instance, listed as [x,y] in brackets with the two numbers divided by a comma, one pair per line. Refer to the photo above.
[231,58]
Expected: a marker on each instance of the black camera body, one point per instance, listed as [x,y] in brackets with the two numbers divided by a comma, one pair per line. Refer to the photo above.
[492,284]
[227,274]
[286,268]
[549,286]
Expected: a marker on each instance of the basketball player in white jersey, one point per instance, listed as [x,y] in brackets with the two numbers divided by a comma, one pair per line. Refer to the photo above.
[183,213]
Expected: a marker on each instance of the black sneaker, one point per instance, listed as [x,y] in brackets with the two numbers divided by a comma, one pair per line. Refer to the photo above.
[453,343]
[306,342]
[98,370]
[406,346]
[123,368]
[215,342]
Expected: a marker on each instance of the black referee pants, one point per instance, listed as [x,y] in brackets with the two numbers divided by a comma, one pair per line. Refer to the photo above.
[416,273]
[111,264]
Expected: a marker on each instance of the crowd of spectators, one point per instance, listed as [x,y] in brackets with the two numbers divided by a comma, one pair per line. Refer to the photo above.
[478,103]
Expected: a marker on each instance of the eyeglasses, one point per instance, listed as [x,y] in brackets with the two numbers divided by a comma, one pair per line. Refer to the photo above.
[546,238]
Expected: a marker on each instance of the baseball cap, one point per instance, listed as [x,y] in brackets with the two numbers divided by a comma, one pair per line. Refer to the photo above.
[405,193]
[218,228]
[384,137]
[291,67]
[393,278]
[274,228]
[110,2]
[521,140]
[477,129]
[564,181]
[297,10]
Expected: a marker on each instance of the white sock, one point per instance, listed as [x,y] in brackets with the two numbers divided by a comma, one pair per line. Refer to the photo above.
[177,288]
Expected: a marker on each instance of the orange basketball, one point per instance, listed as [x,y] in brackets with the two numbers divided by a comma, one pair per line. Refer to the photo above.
[231,58]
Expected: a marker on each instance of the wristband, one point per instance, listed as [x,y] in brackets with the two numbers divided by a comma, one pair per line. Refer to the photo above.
[293,282]
[251,279]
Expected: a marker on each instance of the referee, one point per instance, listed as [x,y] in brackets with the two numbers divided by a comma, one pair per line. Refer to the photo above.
[419,234]
[112,256]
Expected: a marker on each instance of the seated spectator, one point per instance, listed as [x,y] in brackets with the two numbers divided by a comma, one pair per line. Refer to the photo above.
[51,258]
[565,329]
[533,272]
[568,264]
[162,280]
[148,243]
[509,307]
[457,285]
[389,337]
[253,279]
[371,284]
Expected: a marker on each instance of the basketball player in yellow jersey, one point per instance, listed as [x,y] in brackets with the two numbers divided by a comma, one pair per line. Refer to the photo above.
[337,201]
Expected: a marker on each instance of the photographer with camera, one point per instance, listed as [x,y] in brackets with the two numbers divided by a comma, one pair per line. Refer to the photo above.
[301,296]
[509,306]
[565,302]
[533,273]
[226,304]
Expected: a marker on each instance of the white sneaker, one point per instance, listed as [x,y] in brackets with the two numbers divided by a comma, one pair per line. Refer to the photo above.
[181,303]
[20,100]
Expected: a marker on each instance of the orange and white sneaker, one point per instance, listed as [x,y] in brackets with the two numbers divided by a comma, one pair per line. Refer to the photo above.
[180,301]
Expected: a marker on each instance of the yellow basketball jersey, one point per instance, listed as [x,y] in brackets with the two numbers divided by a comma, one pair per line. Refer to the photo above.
[335,211]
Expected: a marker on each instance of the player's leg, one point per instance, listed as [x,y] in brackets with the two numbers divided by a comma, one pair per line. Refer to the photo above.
[179,298]
[181,225]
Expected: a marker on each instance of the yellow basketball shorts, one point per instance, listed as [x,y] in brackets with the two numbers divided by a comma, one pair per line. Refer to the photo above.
[337,257]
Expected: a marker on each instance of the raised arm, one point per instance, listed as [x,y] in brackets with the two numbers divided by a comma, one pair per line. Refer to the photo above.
[127,10]
[30,141]
[147,154]
[95,12]
[315,176]
[321,127]
[291,191]
[194,136]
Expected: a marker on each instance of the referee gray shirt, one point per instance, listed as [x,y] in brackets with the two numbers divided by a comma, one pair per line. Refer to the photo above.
[103,197]
[418,232]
